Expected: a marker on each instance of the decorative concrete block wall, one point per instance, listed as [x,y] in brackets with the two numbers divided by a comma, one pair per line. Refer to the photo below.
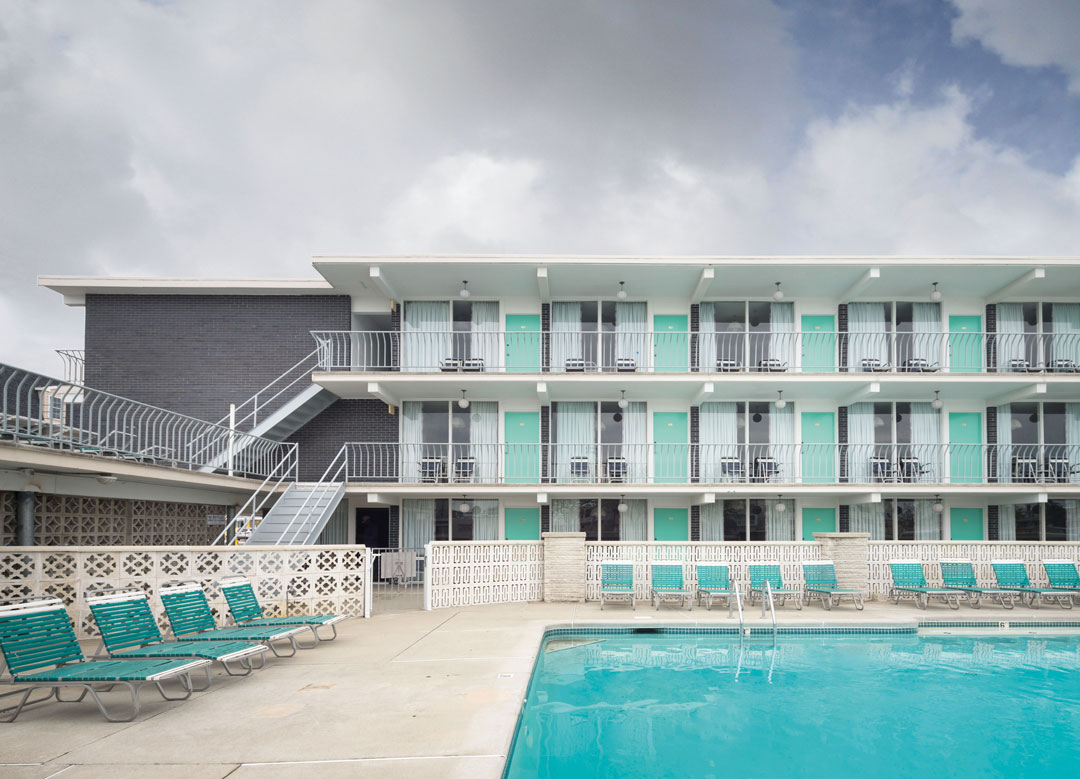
[564,567]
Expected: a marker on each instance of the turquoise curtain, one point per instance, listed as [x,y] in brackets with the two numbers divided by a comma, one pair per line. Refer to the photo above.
[426,339]
[417,523]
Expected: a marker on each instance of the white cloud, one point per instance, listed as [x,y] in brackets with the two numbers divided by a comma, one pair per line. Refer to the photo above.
[1032,33]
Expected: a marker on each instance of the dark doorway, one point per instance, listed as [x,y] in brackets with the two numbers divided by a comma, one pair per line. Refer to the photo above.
[373,530]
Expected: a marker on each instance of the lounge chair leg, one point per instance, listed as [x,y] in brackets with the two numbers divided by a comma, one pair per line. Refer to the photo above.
[185,684]
[975,600]
[859,601]
[24,701]
[274,649]
[953,601]
[135,706]
[81,695]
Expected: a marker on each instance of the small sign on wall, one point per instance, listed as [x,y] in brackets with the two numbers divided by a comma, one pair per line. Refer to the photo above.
[216,520]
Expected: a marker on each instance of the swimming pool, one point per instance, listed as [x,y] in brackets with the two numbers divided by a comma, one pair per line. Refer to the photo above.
[815,706]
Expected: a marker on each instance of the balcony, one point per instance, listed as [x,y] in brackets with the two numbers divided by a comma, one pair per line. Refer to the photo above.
[878,465]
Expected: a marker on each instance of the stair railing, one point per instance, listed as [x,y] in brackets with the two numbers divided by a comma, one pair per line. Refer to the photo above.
[333,474]
[284,471]
[247,413]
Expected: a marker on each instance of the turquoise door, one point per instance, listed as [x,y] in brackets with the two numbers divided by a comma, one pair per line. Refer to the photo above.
[818,344]
[817,521]
[671,453]
[523,343]
[818,447]
[671,343]
[965,344]
[671,524]
[521,524]
[965,451]
[966,524]
[522,458]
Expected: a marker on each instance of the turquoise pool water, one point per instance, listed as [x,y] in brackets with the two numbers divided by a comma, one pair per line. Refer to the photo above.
[816,706]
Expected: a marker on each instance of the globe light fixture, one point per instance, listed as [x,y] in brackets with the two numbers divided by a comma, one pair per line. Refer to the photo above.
[780,402]
[621,294]
[464,291]
[780,506]
[623,402]
[779,293]
[935,293]
[464,401]
[937,402]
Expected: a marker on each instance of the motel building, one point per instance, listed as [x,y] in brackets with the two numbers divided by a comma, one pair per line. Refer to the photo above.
[399,402]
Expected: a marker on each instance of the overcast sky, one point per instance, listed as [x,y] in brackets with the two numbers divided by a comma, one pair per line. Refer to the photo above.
[232,138]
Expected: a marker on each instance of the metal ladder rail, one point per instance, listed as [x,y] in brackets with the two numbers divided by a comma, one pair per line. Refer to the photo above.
[772,609]
[737,602]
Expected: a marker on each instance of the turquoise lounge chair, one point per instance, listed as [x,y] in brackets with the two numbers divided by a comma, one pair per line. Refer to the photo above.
[770,572]
[667,583]
[821,583]
[246,611]
[1012,575]
[617,581]
[40,649]
[191,620]
[1062,575]
[713,581]
[128,629]
[959,575]
[909,578]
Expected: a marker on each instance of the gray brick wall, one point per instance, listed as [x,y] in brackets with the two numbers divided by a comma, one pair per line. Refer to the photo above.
[196,354]
[365,420]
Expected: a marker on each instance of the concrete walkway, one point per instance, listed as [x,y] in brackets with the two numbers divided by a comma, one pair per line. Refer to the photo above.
[407,694]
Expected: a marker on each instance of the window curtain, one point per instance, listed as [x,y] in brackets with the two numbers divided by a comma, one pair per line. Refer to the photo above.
[411,440]
[927,523]
[1007,522]
[712,521]
[635,446]
[707,351]
[632,523]
[782,440]
[719,432]
[427,339]
[926,437]
[484,435]
[1004,444]
[782,338]
[780,526]
[868,518]
[417,523]
[486,341]
[485,520]
[1066,338]
[1010,334]
[860,441]
[575,436]
[1072,436]
[566,339]
[630,335]
[565,516]
[1072,520]
[925,325]
[867,337]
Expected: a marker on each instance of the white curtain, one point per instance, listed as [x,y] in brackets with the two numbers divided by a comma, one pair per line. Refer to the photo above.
[782,339]
[1007,522]
[927,523]
[1066,337]
[925,439]
[1010,337]
[867,518]
[565,516]
[411,438]
[719,436]
[632,524]
[566,340]
[486,341]
[1072,435]
[1004,444]
[485,520]
[417,522]
[712,521]
[782,440]
[860,441]
[484,436]
[1072,520]
[635,446]
[867,336]
[779,525]
[925,325]
[575,436]
[707,352]
[630,335]
[426,340]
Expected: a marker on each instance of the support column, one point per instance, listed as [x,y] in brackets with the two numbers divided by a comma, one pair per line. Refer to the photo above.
[24,519]
[850,553]
[564,567]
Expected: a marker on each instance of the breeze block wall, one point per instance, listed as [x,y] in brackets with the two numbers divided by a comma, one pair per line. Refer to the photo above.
[196,354]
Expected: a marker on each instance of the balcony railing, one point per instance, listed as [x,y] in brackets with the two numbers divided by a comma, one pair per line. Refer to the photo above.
[680,352]
[49,412]
[420,463]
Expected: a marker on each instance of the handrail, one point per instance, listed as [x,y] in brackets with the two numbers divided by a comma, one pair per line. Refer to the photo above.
[247,513]
[738,602]
[252,414]
[772,609]
[325,481]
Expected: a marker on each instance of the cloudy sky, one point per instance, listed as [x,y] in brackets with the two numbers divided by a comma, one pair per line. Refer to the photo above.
[239,137]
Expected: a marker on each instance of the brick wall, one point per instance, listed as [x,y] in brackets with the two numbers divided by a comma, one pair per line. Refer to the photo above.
[364,420]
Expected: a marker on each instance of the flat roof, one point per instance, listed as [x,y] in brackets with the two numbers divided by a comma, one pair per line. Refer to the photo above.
[76,288]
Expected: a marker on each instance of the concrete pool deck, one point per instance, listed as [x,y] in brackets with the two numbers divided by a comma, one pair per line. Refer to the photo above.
[406,694]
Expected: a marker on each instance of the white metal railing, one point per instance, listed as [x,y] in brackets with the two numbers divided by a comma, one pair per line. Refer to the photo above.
[274,395]
[760,350]
[45,411]
[328,483]
[240,527]
[74,361]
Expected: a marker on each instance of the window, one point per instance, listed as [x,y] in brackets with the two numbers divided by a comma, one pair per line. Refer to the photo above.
[1034,442]
[461,519]
[599,519]
[899,336]
[1055,520]
[754,519]
[599,335]
[896,520]
[746,335]
[56,408]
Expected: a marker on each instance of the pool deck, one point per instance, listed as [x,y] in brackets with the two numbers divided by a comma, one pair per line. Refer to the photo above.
[406,694]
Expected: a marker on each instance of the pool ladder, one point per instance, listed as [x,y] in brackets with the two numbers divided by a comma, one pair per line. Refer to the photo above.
[767,595]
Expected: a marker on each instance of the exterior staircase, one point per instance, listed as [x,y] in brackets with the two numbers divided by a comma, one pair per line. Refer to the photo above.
[299,515]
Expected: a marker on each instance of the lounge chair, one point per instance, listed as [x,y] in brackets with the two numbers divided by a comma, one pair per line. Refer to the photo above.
[191,620]
[246,611]
[128,629]
[909,578]
[617,581]
[1012,575]
[959,575]
[1062,575]
[713,581]
[821,583]
[40,649]
[770,572]
[667,582]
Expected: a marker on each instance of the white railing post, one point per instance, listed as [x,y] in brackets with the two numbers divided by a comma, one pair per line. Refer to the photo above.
[427,577]
[369,562]
[232,435]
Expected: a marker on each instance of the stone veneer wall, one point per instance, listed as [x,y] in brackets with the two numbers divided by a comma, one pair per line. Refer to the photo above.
[849,553]
[564,567]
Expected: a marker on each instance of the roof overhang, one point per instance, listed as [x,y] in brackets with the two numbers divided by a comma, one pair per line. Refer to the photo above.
[76,288]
